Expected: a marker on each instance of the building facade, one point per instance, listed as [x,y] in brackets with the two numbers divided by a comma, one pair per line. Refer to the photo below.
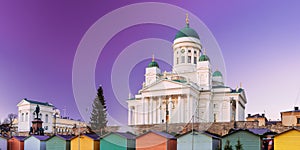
[198,140]
[26,114]
[248,139]
[85,141]
[291,118]
[287,140]
[53,122]
[262,120]
[155,140]
[190,90]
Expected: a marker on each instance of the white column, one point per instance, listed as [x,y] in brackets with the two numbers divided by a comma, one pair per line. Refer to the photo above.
[151,111]
[159,109]
[170,108]
[188,108]
[136,115]
[129,116]
[237,105]
[192,104]
[186,56]
[146,111]
[179,109]
[154,114]
[143,112]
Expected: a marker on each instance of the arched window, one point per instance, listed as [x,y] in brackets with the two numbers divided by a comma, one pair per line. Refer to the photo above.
[26,117]
[46,118]
[41,116]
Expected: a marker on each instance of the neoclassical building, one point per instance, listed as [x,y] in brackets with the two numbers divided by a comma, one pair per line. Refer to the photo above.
[53,122]
[190,90]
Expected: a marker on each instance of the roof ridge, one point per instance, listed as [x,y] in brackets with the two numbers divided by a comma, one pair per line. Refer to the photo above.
[38,102]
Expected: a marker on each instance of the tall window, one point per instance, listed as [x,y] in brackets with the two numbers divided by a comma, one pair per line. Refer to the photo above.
[215,106]
[41,116]
[182,59]
[46,118]
[177,60]
[26,117]
[22,119]
[189,59]
[215,117]
[195,60]
[298,120]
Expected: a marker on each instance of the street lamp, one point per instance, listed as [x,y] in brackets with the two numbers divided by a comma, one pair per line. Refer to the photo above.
[167,111]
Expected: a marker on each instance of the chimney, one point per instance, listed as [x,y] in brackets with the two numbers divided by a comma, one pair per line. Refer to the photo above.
[296,108]
[249,115]
[263,115]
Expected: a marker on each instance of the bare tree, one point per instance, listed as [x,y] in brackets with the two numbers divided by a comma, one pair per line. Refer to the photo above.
[10,119]
[6,126]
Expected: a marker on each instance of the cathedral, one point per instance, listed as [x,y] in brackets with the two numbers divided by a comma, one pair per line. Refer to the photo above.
[192,91]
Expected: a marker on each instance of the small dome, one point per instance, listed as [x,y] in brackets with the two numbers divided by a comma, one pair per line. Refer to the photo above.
[187,32]
[204,58]
[217,74]
[153,63]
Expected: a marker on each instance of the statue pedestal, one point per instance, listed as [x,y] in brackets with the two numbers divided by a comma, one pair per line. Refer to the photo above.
[37,127]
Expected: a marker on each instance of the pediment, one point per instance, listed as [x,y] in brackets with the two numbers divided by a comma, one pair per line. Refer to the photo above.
[22,102]
[163,85]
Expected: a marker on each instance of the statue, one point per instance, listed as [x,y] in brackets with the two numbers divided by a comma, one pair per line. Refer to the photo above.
[37,123]
[37,111]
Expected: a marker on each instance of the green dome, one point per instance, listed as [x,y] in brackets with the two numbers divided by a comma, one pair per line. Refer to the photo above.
[217,74]
[153,64]
[187,32]
[203,58]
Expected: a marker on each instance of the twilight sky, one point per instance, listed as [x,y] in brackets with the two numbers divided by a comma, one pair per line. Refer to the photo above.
[259,40]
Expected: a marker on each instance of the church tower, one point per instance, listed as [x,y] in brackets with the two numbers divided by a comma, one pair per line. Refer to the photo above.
[186,49]
[152,72]
[217,78]
[204,72]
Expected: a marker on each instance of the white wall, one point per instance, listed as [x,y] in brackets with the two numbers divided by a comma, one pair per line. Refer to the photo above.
[32,143]
[200,142]
[25,124]
[3,144]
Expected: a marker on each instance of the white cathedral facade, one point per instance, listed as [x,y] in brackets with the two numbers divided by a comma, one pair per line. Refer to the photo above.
[190,90]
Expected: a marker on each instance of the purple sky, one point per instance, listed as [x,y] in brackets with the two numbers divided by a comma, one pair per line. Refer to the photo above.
[38,40]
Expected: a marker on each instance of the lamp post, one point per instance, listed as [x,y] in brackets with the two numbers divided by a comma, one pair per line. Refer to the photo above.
[167,111]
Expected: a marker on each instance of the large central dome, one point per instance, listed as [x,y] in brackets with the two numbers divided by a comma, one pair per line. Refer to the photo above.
[187,32]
